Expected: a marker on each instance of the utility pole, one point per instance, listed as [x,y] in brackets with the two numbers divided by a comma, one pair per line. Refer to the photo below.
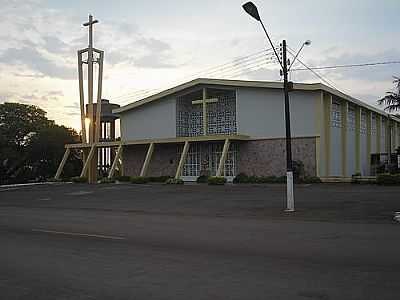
[289,162]
[252,10]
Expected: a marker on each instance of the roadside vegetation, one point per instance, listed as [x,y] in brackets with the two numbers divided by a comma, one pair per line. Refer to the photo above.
[31,145]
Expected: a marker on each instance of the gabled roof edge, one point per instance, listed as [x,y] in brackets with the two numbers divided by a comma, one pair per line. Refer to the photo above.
[254,84]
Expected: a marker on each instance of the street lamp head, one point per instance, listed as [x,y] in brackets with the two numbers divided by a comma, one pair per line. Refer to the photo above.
[252,10]
[307,43]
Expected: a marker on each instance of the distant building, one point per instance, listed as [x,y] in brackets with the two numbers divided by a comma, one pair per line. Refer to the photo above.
[333,134]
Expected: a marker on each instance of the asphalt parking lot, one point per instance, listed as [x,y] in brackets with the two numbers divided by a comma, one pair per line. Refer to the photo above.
[318,202]
[77,241]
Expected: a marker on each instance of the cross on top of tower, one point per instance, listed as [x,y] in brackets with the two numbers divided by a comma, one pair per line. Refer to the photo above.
[90,24]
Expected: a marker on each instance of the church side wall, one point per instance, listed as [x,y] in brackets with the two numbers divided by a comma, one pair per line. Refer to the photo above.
[267,157]
[150,121]
[133,157]
[260,113]
[164,161]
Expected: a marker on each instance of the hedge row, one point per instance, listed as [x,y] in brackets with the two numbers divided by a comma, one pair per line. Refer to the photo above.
[243,178]
[388,179]
[216,180]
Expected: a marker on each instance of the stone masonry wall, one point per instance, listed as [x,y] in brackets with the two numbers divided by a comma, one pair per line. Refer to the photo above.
[164,161]
[268,157]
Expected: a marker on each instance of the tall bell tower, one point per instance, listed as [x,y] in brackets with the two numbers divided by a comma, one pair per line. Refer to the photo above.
[90,56]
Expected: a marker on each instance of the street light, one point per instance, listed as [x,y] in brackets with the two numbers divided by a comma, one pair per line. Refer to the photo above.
[306,43]
[252,10]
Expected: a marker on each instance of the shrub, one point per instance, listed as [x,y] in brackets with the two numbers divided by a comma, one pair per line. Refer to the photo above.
[298,170]
[241,178]
[214,180]
[105,180]
[54,180]
[123,178]
[388,179]
[139,180]
[202,179]
[281,179]
[159,179]
[79,179]
[267,179]
[311,179]
[253,179]
[174,181]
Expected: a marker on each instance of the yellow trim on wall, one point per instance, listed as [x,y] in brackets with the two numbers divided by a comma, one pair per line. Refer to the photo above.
[369,137]
[318,156]
[327,131]
[398,135]
[378,133]
[319,114]
[344,107]
[358,140]
[388,141]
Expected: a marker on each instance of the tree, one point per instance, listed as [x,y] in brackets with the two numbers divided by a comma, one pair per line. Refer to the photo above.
[19,122]
[47,148]
[31,146]
[392,99]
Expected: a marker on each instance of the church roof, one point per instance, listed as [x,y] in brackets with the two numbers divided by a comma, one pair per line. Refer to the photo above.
[251,84]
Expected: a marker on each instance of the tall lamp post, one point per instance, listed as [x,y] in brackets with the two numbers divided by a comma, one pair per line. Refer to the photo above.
[252,10]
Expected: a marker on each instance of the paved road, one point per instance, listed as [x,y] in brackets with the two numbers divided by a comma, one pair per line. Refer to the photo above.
[191,242]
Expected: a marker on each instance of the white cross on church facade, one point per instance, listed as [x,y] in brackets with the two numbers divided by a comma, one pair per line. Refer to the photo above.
[204,102]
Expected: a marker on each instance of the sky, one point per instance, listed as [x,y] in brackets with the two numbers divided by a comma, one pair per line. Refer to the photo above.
[153,45]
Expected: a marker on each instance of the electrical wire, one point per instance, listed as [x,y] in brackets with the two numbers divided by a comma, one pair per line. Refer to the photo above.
[327,81]
[232,65]
[349,66]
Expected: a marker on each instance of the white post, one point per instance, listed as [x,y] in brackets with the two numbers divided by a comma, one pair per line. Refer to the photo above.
[289,192]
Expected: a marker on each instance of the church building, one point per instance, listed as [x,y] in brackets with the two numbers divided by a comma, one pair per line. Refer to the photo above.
[218,127]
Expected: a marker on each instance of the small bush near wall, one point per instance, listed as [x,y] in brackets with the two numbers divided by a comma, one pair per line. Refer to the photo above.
[78,179]
[174,181]
[139,180]
[202,179]
[214,180]
[105,180]
[298,170]
[160,179]
[123,178]
[243,178]
[388,179]
[311,179]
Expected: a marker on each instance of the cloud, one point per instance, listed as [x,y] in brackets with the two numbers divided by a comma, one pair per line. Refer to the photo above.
[38,97]
[37,62]
[142,52]
[371,73]
[261,74]
[54,45]
[75,105]
[154,61]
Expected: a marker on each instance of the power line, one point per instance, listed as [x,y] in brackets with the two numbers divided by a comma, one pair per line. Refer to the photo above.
[235,61]
[240,66]
[327,81]
[350,66]
[247,69]
[232,65]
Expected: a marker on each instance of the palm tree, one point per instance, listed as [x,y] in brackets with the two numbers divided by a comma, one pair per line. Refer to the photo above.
[392,99]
